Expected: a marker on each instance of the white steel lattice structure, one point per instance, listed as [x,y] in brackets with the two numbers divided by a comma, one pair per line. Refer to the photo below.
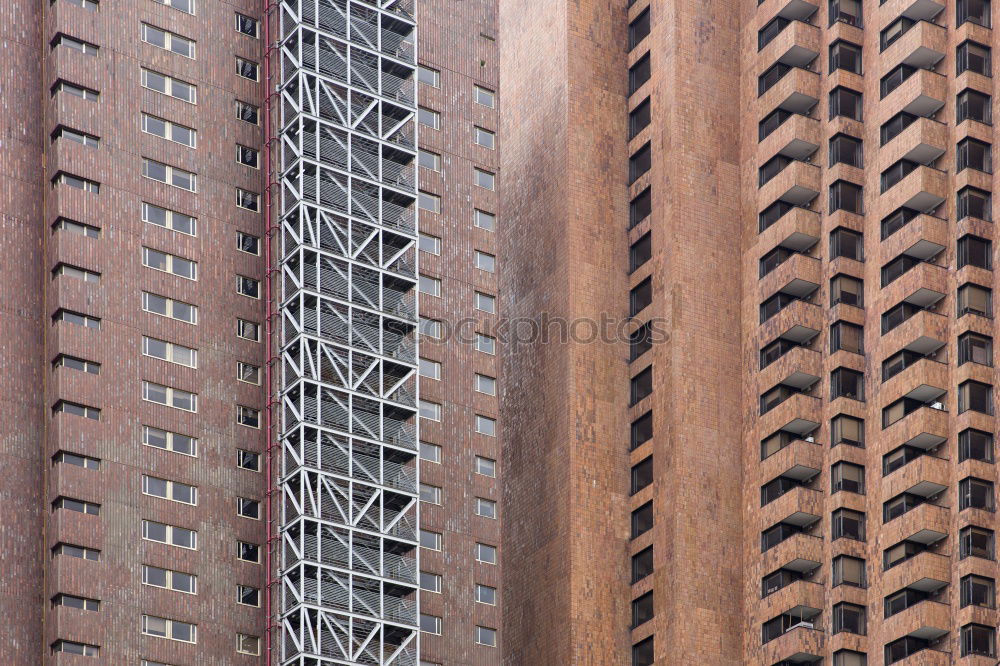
[349,504]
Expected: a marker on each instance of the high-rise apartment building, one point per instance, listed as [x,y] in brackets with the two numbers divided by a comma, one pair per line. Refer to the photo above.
[695,331]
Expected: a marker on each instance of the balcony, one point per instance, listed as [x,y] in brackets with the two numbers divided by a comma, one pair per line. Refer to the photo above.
[925,477]
[800,645]
[924,285]
[800,367]
[924,428]
[798,138]
[918,10]
[800,460]
[922,46]
[927,620]
[923,94]
[799,275]
[923,189]
[930,657]
[797,45]
[924,571]
[923,237]
[798,594]
[801,552]
[798,230]
[923,141]
[798,184]
[923,333]
[925,523]
[793,10]
[923,381]
[799,414]
[799,321]
[800,506]
[796,92]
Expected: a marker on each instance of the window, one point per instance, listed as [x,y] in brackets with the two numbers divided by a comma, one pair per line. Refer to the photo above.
[848,524]
[248,460]
[169,263]
[847,383]
[975,396]
[79,228]
[246,68]
[974,57]
[88,140]
[978,639]
[638,29]
[640,341]
[486,384]
[642,475]
[639,118]
[86,48]
[78,552]
[974,154]
[486,466]
[642,564]
[248,200]
[430,452]
[430,494]
[168,40]
[430,540]
[171,490]
[642,430]
[429,118]
[486,553]
[975,251]
[247,596]
[848,476]
[484,96]
[486,595]
[248,330]
[429,160]
[642,609]
[974,11]
[486,344]
[169,534]
[975,493]
[169,396]
[248,113]
[973,202]
[248,552]
[76,182]
[248,416]
[846,243]
[429,202]
[73,647]
[848,570]
[641,385]
[91,5]
[246,286]
[642,519]
[169,441]
[845,336]
[167,85]
[430,328]
[846,56]
[167,307]
[486,426]
[246,25]
[484,179]
[430,369]
[247,508]
[485,262]
[640,162]
[78,460]
[430,582]
[170,352]
[170,175]
[76,409]
[430,624]
[848,290]
[171,580]
[484,220]
[845,102]
[847,11]
[642,652]
[77,91]
[169,219]
[639,73]
[484,137]
[640,252]
[975,542]
[848,430]
[76,273]
[486,508]
[429,76]
[486,302]
[895,78]
[846,196]
[246,644]
[641,296]
[893,128]
[849,658]
[640,207]
[849,618]
[975,445]
[975,348]
[430,410]
[247,156]
[847,150]
[80,506]
[973,105]
[978,591]
[186,6]
[172,629]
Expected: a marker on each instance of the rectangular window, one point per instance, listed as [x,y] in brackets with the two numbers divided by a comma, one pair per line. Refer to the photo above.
[73,601]
[642,475]
[485,262]
[975,251]
[639,73]
[974,11]
[186,6]
[484,137]
[246,25]
[429,160]
[975,348]
[846,56]
[248,330]
[76,318]
[486,553]
[169,219]
[430,624]
[846,149]
[850,618]
[974,57]
[169,396]
[168,307]
[430,540]
[248,596]
[429,76]
[169,441]
[846,196]
[484,220]
[76,273]
[248,113]
[638,29]
[485,96]
[486,595]
[639,118]
[848,476]
[429,118]
[845,336]
[486,467]
[88,140]
[642,652]
[640,207]
[78,552]
[76,182]
[169,263]
[248,416]
[973,202]
[171,490]
[486,302]
[640,252]
[973,105]
[975,493]
[485,179]
[170,351]
[246,644]
[430,452]
[848,290]
[485,384]
[172,629]
[642,430]
[77,91]
[169,534]
[486,636]
[486,508]
[248,552]
[248,200]
[976,541]
[978,591]
[978,639]
[973,154]
[167,40]
[86,48]
[170,175]
[79,506]
[246,286]
[640,162]
[248,460]
[168,85]
[845,102]
[76,409]
[848,524]
[429,285]
[430,494]
[642,519]
[73,647]
[486,426]
[170,580]
[247,69]
[247,156]
[86,462]
[245,372]
[849,570]
[642,564]
[486,344]
[847,383]
[430,582]
[73,227]
[641,296]
[248,243]
[641,385]
[247,508]
[974,299]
